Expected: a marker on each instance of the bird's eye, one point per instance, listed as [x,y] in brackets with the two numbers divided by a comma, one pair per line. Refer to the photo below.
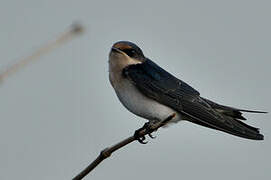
[130,52]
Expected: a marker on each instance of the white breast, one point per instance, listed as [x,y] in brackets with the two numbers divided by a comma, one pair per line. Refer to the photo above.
[141,105]
[130,96]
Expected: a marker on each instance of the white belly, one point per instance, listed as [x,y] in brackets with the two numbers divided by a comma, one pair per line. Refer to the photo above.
[141,105]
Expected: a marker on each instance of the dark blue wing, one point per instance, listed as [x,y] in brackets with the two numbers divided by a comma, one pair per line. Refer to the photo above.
[160,85]
[156,83]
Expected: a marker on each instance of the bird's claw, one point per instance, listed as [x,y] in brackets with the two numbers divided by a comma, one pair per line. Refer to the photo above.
[149,129]
[151,136]
[140,139]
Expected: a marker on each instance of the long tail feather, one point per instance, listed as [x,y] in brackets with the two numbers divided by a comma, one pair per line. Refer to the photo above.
[251,111]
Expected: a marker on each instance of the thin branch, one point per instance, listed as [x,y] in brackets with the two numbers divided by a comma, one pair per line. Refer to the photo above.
[74,30]
[109,150]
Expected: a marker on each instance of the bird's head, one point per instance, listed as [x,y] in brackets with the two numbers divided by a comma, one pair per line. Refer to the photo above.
[127,52]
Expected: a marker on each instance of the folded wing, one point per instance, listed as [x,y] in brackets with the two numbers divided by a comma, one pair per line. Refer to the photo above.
[158,84]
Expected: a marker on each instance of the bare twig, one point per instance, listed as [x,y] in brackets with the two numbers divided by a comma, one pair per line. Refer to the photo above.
[108,151]
[74,30]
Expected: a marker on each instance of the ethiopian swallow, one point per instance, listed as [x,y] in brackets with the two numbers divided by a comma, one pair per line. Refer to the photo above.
[150,92]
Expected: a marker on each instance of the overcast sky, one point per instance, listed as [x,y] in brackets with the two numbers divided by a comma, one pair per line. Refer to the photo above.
[59,112]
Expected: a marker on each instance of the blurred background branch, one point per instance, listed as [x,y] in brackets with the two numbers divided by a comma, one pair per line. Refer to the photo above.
[74,30]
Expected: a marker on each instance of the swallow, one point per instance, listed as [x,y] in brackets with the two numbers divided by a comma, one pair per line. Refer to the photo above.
[151,92]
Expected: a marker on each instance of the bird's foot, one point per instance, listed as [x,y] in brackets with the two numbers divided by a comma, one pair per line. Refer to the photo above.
[148,128]
[141,139]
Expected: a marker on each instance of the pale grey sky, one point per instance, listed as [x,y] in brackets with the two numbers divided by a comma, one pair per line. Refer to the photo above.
[58,113]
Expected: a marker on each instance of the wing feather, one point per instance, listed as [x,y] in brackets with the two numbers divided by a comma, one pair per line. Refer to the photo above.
[158,84]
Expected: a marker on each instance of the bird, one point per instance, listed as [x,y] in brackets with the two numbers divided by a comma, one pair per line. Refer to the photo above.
[150,92]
